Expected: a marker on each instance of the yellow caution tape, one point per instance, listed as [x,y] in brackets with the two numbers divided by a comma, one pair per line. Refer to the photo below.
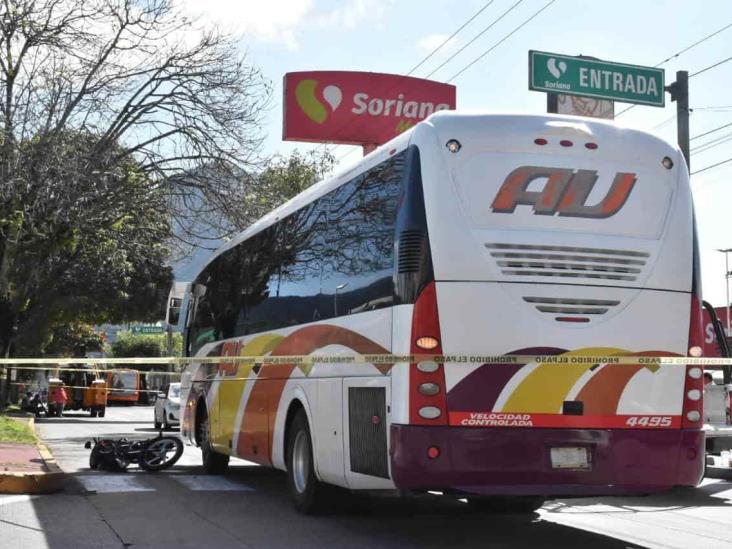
[106,389]
[56,363]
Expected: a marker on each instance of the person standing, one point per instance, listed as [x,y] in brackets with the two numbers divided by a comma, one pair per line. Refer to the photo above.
[60,398]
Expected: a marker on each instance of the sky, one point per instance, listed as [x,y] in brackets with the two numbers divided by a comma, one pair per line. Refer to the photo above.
[281,36]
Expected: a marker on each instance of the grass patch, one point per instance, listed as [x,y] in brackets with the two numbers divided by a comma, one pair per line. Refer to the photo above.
[15,431]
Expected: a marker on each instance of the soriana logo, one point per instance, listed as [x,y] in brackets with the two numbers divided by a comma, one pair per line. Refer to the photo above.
[358,108]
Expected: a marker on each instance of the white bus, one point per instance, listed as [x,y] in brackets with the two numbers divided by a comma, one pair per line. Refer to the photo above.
[466,235]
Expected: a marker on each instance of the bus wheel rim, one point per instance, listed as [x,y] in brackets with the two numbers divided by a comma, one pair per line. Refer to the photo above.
[300,461]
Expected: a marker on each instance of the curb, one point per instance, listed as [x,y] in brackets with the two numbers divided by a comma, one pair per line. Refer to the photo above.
[34,483]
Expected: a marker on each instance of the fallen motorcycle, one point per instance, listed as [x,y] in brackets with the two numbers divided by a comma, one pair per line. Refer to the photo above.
[153,454]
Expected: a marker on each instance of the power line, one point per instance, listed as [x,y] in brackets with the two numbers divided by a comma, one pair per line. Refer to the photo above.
[481,33]
[707,37]
[705,69]
[438,48]
[515,30]
[669,119]
[711,131]
[711,166]
[712,144]
[677,54]
[469,20]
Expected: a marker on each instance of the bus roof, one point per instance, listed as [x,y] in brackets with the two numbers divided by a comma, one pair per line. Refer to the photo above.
[505,131]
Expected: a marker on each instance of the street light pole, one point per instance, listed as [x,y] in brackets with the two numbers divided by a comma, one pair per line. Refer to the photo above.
[335,297]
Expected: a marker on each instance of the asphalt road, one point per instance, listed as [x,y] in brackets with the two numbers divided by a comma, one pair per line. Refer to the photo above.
[249,507]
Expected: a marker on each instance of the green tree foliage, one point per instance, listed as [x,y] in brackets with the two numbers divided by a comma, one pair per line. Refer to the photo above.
[92,247]
[73,339]
[285,177]
[145,345]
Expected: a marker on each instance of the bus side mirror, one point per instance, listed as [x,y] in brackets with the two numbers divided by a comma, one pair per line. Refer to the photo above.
[174,306]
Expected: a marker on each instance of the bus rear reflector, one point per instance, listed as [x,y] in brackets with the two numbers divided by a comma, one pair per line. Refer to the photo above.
[429,389]
[430,412]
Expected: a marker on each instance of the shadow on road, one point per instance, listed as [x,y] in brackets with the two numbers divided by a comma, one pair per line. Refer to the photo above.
[261,515]
[701,496]
[87,419]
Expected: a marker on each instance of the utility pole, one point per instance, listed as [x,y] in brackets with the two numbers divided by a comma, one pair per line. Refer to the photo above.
[679,91]
[726,252]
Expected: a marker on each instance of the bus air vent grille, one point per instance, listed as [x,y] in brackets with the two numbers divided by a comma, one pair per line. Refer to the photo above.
[569,306]
[367,431]
[568,262]
[410,251]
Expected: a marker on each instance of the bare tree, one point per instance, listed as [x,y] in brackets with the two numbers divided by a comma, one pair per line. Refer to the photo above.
[153,97]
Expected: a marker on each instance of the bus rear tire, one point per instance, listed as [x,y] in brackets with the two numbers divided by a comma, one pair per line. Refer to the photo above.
[309,495]
[213,462]
[515,504]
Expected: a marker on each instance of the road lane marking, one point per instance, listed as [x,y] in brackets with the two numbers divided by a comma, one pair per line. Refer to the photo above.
[209,483]
[7,500]
[109,484]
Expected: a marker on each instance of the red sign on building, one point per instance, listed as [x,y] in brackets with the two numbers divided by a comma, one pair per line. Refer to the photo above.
[711,348]
[358,108]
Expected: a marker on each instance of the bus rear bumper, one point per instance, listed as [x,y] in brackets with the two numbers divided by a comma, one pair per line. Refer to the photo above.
[517,461]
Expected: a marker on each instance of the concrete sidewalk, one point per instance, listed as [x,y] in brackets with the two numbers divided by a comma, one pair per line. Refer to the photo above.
[28,468]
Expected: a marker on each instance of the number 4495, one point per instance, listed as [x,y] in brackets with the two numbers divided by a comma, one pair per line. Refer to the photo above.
[649,421]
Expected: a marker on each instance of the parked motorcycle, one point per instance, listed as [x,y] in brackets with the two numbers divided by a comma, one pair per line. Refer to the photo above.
[34,404]
[153,454]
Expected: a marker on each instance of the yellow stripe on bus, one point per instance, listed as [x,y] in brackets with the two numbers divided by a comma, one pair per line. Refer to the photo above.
[545,389]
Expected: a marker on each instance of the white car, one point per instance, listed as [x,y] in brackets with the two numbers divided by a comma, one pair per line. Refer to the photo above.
[167,407]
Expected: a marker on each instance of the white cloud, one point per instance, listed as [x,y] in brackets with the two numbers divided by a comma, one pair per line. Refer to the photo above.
[273,21]
[349,14]
[431,41]
[282,21]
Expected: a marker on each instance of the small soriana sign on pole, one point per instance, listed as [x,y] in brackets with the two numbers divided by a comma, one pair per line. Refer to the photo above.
[358,108]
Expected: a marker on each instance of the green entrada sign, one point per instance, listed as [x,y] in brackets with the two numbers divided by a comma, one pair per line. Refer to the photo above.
[551,72]
[147,330]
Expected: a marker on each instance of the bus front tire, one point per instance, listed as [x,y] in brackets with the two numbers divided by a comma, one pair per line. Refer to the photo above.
[309,495]
[517,504]
[213,462]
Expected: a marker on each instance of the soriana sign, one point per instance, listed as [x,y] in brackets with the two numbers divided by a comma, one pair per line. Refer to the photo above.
[358,108]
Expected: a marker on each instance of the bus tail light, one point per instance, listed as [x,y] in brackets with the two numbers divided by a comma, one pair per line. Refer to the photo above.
[427,400]
[427,343]
[693,384]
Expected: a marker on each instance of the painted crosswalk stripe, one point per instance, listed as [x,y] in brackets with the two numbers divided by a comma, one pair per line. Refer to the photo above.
[211,483]
[107,484]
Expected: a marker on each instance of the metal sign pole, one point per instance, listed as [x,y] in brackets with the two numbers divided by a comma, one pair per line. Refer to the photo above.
[726,283]
[679,91]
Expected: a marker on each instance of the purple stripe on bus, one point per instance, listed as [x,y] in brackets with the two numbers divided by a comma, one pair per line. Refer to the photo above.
[479,390]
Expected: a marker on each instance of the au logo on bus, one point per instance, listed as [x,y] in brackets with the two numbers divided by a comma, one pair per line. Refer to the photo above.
[565,192]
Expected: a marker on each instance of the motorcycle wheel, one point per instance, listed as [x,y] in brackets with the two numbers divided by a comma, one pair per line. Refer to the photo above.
[161,453]
[100,457]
